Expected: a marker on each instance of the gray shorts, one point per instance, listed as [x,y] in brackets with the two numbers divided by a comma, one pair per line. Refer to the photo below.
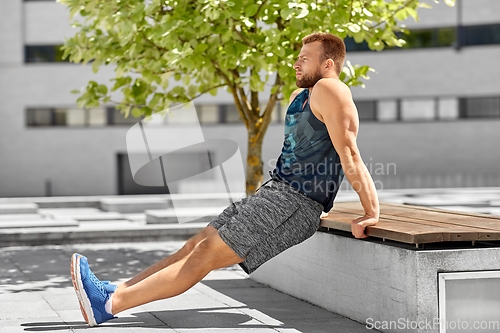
[263,225]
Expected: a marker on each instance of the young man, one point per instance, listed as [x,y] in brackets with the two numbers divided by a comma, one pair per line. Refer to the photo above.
[319,149]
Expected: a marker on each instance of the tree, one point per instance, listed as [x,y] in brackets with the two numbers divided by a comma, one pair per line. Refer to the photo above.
[210,44]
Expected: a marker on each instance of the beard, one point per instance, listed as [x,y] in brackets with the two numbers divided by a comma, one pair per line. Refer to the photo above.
[307,81]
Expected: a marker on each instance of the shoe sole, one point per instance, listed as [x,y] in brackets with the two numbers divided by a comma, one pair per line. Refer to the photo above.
[84,301]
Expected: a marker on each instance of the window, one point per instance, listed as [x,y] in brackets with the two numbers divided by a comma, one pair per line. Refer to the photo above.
[387,110]
[115,117]
[352,46]
[481,34]
[418,109]
[72,117]
[43,53]
[231,114]
[438,37]
[208,114]
[448,108]
[480,107]
[367,110]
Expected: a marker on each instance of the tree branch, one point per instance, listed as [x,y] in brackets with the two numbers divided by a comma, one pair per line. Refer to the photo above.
[266,117]
[153,44]
[232,87]
[393,14]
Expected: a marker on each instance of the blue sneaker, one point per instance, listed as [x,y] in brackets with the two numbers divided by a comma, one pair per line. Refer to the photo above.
[92,293]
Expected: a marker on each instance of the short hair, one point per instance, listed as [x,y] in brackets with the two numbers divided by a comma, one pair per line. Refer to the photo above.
[333,48]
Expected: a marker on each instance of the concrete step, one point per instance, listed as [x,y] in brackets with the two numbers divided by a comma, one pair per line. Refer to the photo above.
[182,215]
[42,223]
[133,205]
[18,208]
[112,232]
[20,217]
[203,199]
[80,214]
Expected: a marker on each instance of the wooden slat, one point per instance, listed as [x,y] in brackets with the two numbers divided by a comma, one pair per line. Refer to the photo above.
[455,232]
[444,217]
[410,224]
[410,233]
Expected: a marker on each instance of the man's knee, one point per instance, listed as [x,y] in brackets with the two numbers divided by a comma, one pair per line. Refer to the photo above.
[199,237]
[215,252]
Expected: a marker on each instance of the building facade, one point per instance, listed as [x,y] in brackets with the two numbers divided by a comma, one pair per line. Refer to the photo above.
[430,115]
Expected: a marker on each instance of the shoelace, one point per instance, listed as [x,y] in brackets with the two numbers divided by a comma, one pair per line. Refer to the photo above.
[96,282]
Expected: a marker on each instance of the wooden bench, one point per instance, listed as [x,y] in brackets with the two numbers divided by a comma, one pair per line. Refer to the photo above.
[392,276]
[417,225]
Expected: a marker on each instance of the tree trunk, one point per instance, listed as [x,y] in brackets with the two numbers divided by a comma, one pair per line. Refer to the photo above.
[254,163]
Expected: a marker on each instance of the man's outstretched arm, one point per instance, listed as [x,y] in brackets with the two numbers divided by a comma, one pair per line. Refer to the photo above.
[332,100]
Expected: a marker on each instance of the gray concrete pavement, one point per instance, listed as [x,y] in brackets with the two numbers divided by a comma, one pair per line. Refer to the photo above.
[36,294]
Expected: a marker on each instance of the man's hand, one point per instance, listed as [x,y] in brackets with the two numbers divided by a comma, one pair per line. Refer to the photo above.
[358,225]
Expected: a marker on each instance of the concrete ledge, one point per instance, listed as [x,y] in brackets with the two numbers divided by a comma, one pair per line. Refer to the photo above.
[18,208]
[194,200]
[363,279]
[38,224]
[133,205]
[72,235]
[182,215]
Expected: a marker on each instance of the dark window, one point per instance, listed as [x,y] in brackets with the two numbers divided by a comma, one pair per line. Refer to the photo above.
[43,53]
[115,117]
[480,107]
[481,34]
[70,117]
[40,117]
[352,46]
[438,37]
[367,110]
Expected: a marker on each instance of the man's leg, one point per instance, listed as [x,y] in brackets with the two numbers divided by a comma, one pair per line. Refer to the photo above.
[180,254]
[209,254]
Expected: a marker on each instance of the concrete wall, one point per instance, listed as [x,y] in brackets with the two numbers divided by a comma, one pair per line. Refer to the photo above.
[371,281]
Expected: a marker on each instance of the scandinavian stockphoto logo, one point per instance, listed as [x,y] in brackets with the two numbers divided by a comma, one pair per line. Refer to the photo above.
[199,166]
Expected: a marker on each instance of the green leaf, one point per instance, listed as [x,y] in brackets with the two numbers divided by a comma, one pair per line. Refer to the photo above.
[251,10]
[287,13]
[136,112]
[102,89]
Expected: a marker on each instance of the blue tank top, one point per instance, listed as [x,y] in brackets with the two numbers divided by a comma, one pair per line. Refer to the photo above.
[308,160]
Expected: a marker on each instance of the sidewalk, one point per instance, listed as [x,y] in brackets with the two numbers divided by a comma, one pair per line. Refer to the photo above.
[36,294]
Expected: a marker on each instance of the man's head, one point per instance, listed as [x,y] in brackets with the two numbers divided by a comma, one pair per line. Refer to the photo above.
[321,56]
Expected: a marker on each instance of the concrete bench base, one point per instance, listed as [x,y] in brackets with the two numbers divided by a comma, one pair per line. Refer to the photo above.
[370,281]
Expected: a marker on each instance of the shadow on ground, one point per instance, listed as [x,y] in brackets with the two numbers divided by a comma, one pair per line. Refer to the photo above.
[39,268]
[244,303]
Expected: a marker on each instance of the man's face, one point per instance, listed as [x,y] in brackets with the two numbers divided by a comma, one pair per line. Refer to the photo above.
[308,65]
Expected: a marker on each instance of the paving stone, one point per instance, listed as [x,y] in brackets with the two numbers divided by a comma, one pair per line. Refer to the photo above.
[227,330]
[47,324]
[330,325]
[185,302]
[19,310]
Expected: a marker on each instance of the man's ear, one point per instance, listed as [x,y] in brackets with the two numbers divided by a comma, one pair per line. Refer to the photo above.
[329,64]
